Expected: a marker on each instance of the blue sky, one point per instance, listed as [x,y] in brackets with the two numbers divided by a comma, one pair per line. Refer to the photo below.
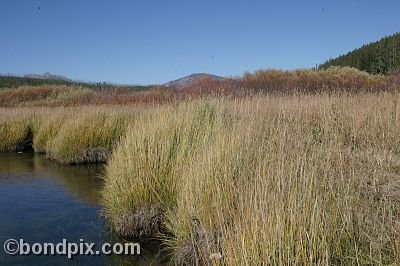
[147,42]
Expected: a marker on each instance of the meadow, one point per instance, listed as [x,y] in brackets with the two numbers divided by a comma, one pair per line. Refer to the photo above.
[223,176]
[293,180]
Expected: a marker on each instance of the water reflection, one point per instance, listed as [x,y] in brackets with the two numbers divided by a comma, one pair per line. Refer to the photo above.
[82,181]
[42,201]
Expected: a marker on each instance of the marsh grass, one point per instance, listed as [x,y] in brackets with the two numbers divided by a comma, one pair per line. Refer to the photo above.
[309,180]
[146,166]
[67,135]
[45,129]
[15,131]
[90,138]
[295,180]
[15,135]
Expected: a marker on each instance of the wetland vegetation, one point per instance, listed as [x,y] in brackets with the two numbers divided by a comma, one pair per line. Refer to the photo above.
[234,175]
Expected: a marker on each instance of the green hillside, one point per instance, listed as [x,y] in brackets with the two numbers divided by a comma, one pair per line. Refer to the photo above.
[379,57]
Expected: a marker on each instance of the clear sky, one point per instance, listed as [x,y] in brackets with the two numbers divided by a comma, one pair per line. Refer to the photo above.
[147,42]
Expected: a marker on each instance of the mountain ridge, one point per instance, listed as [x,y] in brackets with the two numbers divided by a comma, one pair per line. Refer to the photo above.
[187,80]
[48,76]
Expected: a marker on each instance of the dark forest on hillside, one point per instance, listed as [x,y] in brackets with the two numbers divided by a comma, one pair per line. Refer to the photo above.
[379,57]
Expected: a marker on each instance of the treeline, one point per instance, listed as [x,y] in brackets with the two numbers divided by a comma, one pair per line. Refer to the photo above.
[16,82]
[380,57]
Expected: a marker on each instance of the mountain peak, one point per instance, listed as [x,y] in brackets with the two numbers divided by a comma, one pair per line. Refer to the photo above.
[187,80]
[47,75]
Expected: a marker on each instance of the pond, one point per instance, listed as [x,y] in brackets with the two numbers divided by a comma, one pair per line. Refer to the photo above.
[44,202]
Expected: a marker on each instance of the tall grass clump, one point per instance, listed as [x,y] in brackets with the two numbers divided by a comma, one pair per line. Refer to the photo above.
[69,135]
[46,127]
[144,170]
[287,187]
[309,180]
[88,138]
[15,131]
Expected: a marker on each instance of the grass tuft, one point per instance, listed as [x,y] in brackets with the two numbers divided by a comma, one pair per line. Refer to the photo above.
[268,180]
[15,132]
[90,138]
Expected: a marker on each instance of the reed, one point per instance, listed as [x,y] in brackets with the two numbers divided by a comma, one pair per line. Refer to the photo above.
[67,135]
[89,138]
[45,129]
[272,180]
[296,179]
[144,170]
[15,131]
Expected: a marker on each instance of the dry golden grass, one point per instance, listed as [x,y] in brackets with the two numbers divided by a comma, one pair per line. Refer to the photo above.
[289,180]
[295,180]
[15,132]
[68,135]
[147,164]
[90,138]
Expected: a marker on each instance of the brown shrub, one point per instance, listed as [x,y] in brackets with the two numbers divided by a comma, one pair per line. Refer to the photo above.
[274,82]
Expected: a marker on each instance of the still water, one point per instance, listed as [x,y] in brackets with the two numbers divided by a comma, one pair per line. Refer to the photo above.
[44,202]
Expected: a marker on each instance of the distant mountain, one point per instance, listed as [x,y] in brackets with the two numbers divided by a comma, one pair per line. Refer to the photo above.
[379,57]
[190,79]
[47,75]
